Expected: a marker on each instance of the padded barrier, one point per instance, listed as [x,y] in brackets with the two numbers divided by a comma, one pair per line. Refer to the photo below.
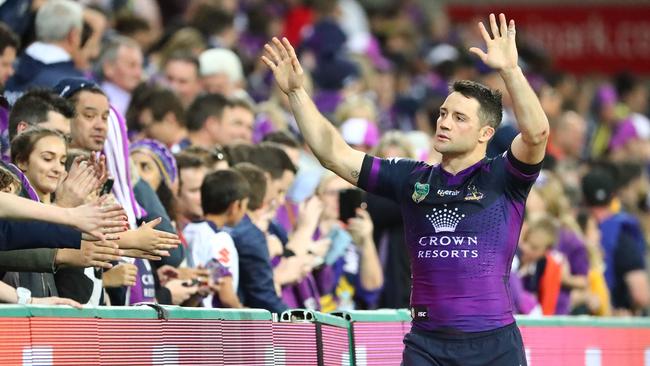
[53,335]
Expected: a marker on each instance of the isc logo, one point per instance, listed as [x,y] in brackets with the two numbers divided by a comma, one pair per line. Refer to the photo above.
[419,313]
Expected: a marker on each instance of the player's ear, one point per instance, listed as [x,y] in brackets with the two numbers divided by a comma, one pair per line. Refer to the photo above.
[485,133]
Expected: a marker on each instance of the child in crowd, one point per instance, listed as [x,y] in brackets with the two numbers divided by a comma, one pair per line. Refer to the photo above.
[540,266]
[224,198]
[9,183]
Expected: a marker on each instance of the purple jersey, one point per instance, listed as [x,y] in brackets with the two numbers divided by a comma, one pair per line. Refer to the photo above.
[461,231]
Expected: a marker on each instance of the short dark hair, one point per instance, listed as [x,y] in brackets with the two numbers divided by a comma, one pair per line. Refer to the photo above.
[33,107]
[221,188]
[257,181]
[8,38]
[161,101]
[23,145]
[272,159]
[186,160]
[129,24]
[202,107]
[282,138]
[167,199]
[490,108]
[139,96]
[188,58]
[625,83]
[239,153]
[210,20]
[209,157]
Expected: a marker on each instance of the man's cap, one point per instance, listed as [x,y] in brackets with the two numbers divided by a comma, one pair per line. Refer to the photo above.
[67,87]
[598,187]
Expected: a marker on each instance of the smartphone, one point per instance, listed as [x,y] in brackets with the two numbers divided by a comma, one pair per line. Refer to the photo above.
[107,187]
[216,269]
[349,201]
[193,282]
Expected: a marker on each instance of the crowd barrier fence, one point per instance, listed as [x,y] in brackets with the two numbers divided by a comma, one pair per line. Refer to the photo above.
[164,335]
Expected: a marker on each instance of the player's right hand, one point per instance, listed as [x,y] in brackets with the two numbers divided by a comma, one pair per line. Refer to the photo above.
[281,58]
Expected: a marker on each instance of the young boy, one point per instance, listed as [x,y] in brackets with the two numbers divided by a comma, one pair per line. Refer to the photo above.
[224,199]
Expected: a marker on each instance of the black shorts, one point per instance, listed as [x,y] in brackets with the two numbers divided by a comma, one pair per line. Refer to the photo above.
[498,347]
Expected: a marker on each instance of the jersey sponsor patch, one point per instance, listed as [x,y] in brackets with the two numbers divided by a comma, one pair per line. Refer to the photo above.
[420,192]
[224,256]
[447,192]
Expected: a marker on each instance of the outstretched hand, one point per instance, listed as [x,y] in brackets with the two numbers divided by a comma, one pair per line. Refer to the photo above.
[502,49]
[282,60]
[98,220]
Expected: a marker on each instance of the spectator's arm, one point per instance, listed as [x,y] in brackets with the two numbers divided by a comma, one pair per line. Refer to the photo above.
[256,274]
[372,275]
[147,197]
[89,218]
[29,260]
[227,295]
[637,283]
[629,262]
[36,234]
[361,228]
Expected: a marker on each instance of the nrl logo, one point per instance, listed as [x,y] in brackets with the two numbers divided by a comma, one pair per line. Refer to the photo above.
[420,192]
[473,194]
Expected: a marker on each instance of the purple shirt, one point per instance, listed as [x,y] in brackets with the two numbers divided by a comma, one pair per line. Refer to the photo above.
[461,232]
[624,132]
[144,289]
[574,250]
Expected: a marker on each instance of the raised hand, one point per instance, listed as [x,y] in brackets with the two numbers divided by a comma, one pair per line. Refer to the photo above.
[78,184]
[282,60]
[502,49]
[99,165]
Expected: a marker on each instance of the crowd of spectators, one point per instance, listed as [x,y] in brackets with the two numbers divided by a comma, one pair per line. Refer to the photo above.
[158,162]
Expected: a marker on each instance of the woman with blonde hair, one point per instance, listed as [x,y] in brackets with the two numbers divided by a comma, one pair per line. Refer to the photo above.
[548,197]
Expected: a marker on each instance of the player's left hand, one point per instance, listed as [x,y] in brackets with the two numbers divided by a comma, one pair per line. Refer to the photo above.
[501,50]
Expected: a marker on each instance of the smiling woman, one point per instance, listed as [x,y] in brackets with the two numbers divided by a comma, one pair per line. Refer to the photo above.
[41,154]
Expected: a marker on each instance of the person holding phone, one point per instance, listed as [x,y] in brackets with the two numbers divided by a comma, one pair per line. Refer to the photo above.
[462,217]
[352,276]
